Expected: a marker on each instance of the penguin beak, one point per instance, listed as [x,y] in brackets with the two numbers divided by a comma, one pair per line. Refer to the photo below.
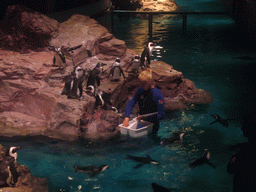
[16,149]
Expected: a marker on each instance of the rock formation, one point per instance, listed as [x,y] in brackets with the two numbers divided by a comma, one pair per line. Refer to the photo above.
[30,86]
[23,29]
[158,5]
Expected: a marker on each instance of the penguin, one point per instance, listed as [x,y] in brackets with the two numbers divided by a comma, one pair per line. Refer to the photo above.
[94,75]
[159,188]
[116,71]
[68,82]
[175,138]
[59,58]
[75,82]
[12,152]
[135,65]
[142,160]
[8,172]
[102,99]
[91,170]
[147,52]
[202,160]
[220,120]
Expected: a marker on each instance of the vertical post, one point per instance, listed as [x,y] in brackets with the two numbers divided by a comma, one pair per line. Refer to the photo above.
[112,18]
[184,22]
[150,25]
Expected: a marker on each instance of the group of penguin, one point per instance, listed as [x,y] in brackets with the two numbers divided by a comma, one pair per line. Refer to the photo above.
[9,175]
[178,137]
[80,78]
[8,172]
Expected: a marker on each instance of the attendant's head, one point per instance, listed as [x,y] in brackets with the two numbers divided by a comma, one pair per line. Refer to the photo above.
[146,79]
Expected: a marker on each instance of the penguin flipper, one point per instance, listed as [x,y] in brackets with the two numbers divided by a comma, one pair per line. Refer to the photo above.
[138,166]
[213,122]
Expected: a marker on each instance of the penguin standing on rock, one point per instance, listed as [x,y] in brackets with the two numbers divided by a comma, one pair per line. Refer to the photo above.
[77,83]
[135,64]
[102,99]
[147,52]
[12,152]
[59,58]
[94,76]
[8,172]
[116,71]
[74,82]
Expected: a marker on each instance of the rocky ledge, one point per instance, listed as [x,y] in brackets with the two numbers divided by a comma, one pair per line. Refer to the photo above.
[30,83]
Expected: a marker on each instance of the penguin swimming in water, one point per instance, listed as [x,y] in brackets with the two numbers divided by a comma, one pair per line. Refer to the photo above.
[135,65]
[12,152]
[175,138]
[94,75]
[142,160]
[159,188]
[147,52]
[220,120]
[91,170]
[202,160]
[116,71]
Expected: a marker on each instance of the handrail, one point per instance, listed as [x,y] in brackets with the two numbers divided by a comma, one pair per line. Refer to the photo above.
[151,13]
[170,12]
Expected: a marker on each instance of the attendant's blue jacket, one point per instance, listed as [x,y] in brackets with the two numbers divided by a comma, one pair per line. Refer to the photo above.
[149,101]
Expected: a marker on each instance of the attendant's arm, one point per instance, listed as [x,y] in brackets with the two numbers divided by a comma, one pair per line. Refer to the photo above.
[129,108]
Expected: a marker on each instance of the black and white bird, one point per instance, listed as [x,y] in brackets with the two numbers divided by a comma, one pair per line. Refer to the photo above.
[147,52]
[116,71]
[91,170]
[75,82]
[142,160]
[12,152]
[177,137]
[94,75]
[59,58]
[135,65]
[8,172]
[202,160]
[220,120]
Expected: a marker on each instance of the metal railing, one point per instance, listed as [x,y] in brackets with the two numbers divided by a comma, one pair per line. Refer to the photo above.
[151,13]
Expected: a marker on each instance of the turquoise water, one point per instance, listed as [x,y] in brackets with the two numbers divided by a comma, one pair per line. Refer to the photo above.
[207,56]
